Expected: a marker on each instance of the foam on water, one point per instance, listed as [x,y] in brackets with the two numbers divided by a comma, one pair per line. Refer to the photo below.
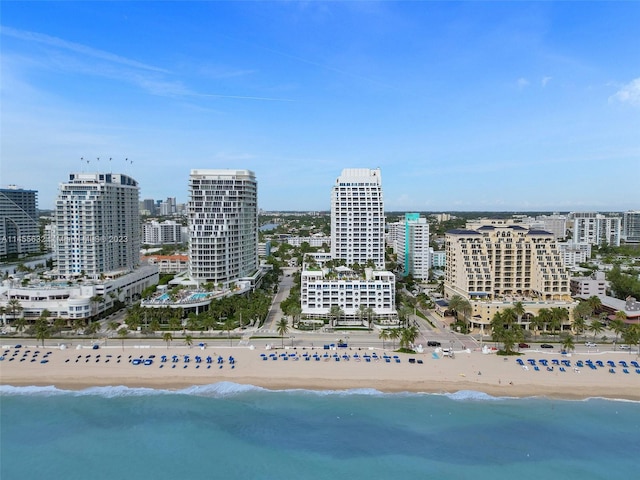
[230,389]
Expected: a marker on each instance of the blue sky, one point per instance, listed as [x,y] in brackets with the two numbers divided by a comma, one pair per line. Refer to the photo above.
[464,106]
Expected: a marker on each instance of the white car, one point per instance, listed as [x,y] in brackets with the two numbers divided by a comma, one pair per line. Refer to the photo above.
[590,344]
[625,347]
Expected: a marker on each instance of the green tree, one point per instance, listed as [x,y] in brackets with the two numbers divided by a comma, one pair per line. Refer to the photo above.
[518,309]
[122,333]
[229,324]
[618,326]
[14,306]
[596,327]
[335,312]
[631,336]
[383,335]
[544,318]
[567,343]
[167,337]
[394,334]
[408,336]
[283,329]
[188,340]
[42,330]
[459,304]
[578,324]
[595,302]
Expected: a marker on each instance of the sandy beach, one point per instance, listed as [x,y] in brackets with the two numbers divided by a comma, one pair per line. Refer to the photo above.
[470,370]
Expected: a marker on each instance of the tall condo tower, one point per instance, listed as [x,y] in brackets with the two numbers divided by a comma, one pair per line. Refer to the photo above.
[357,217]
[223,225]
[19,231]
[97,224]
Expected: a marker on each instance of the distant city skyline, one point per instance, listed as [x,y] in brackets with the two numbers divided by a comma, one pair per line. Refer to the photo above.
[464,106]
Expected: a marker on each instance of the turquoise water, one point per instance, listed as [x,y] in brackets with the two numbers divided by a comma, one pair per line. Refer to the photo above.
[241,432]
[163,297]
[198,296]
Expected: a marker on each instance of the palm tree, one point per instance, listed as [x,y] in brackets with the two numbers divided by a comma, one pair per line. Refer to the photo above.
[618,326]
[122,333]
[295,311]
[283,328]
[408,336]
[229,324]
[404,312]
[460,304]
[595,302]
[544,318]
[578,324]
[14,306]
[596,327]
[188,340]
[370,314]
[631,336]
[20,323]
[567,343]
[394,334]
[518,309]
[383,335]
[558,317]
[167,337]
[335,312]
[42,330]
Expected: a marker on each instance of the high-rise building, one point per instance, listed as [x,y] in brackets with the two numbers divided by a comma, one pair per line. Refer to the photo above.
[413,246]
[149,205]
[596,229]
[631,226]
[19,230]
[357,217]
[497,265]
[97,224]
[362,291]
[223,225]
[167,232]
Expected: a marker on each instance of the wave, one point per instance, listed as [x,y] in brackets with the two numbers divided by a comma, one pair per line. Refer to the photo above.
[230,389]
[472,395]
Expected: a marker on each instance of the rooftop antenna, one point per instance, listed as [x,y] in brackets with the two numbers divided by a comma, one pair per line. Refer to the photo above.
[110,170]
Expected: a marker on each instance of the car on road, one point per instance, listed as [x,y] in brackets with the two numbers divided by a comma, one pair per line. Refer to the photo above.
[433,343]
[546,345]
[523,345]
[625,347]
[590,344]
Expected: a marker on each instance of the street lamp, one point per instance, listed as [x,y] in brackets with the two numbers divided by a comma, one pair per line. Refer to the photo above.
[292,338]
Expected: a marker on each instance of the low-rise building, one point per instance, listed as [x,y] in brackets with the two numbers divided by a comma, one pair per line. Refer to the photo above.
[323,288]
[595,284]
[75,299]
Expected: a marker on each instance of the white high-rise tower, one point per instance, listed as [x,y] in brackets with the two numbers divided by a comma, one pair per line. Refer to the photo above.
[357,217]
[97,224]
[223,225]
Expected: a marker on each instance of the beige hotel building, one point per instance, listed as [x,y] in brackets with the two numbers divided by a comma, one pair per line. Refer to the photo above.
[495,266]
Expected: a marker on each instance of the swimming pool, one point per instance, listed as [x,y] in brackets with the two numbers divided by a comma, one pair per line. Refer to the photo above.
[198,296]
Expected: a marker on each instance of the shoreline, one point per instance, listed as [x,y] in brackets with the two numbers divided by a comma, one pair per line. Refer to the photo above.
[80,369]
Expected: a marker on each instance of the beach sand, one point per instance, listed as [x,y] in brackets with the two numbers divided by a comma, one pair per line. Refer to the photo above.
[475,371]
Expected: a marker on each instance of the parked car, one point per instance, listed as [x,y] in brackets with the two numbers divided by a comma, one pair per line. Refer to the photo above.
[625,347]
[546,345]
[590,344]
[433,343]
[523,345]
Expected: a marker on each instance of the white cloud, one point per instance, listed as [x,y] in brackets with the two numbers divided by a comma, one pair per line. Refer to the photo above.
[75,47]
[629,93]
[546,80]
[522,83]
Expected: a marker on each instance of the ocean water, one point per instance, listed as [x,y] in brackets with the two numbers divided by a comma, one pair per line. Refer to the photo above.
[230,431]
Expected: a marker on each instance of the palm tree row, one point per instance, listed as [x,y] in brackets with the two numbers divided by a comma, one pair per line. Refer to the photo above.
[407,336]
